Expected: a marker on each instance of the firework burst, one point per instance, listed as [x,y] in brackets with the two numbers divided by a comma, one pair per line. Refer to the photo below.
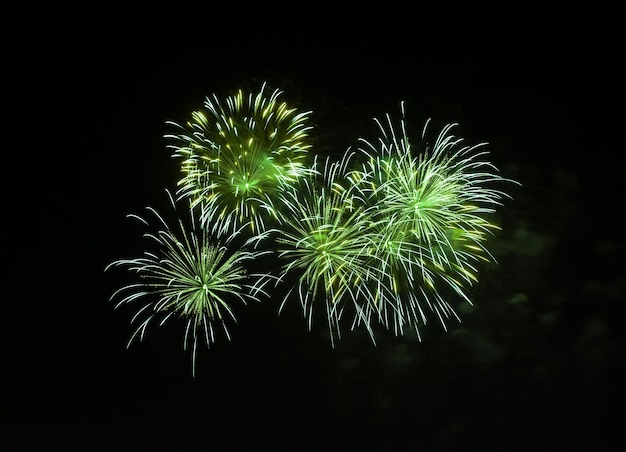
[236,157]
[324,240]
[430,219]
[189,277]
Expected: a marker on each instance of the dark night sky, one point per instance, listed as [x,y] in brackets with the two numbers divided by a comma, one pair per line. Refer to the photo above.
[537,364]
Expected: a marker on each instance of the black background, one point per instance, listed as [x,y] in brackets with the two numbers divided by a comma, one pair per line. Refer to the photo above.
[536,364]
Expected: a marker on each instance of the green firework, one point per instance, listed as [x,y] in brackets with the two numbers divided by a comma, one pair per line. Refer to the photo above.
[323,240]
[237,154]
[431,219]
[187,276]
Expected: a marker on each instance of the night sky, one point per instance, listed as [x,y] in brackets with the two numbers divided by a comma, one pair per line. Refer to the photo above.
[535,364]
